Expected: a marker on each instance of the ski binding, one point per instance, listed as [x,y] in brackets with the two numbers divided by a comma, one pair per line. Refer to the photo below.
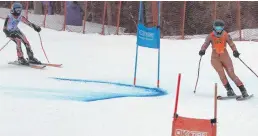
[30,65]
[241,98]
[227,97]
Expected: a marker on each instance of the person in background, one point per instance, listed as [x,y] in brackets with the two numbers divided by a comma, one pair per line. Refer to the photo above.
[74,14]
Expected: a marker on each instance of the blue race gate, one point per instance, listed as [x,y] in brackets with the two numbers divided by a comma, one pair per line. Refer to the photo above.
[147,37]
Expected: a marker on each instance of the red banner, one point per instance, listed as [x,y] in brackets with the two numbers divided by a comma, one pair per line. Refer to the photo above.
[183,126]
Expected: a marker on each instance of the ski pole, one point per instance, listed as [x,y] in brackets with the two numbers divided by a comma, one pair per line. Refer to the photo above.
[43,47]
[5,45]
[198,74]
[248,67]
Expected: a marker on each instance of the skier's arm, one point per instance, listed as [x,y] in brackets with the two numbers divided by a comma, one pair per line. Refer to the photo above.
[231,43]
[232,46]
[5,27]
[206,43]
[27,22]
[8,33]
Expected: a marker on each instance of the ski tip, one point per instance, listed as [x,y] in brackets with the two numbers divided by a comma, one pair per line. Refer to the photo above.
[52,65]
[37,66]
[219,97]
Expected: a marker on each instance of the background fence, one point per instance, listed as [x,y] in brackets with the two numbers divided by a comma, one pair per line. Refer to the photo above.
[179,19]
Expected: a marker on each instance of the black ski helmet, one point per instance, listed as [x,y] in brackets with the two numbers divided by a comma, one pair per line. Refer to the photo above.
[16,9]
[218,26]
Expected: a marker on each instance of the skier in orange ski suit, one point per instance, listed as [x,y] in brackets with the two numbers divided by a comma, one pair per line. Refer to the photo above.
[220,58]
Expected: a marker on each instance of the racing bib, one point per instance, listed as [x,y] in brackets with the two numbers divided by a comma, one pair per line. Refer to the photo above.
[219,43]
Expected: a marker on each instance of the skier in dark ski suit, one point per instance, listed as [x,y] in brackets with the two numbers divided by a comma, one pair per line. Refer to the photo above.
[13,32]
[220,58]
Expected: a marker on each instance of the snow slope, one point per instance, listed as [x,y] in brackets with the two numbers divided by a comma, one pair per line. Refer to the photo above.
[33,103]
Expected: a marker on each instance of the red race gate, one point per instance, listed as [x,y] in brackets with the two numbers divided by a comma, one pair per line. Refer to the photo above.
[184,126]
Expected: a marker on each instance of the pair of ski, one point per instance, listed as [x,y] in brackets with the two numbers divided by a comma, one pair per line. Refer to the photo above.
[237,97]
[35,66]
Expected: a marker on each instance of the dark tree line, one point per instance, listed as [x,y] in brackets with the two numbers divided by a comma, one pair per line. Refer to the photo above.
[198,14]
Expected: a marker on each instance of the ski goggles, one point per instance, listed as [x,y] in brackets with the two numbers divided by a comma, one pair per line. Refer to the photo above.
[218,28]
[18,10]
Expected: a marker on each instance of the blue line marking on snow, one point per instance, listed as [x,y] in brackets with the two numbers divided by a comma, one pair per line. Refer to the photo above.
[144,91]
[83,90]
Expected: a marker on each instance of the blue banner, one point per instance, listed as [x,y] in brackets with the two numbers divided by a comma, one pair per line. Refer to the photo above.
[148,37]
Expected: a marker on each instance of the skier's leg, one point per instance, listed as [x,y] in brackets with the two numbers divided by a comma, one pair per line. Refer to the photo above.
[26,43]
[217,65]
[18,47]
[227,62]
[30,53]
[19,51]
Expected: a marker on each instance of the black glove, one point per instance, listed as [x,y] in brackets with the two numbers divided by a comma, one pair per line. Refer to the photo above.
[236,53]
[36,28]
[201,52]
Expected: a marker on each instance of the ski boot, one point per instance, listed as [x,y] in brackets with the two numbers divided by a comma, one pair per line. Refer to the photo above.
[33,60]
[243,91]
[22,61]
[230,91]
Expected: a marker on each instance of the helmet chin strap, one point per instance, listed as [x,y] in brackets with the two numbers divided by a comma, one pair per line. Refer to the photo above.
[218,34]
[16,14]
